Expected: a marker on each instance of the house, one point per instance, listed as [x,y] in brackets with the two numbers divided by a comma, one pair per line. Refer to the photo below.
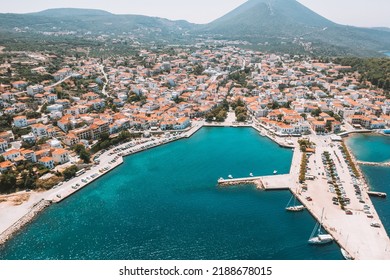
[51,98]
[40,130]
[99,127]
[11,155]
[19,84]
[48,162]
[5,166]
[318,126]
[33,90]
[71,139]
[62,74]
[29,138]
[7,136]
[29,155]
[3,145]
[60,156]
[182,123]
[20,121]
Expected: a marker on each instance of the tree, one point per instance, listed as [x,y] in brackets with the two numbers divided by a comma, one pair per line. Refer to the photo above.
[316,112]
[104,136]
[2,158]
[303,115]
[85,156]
[7,182]
[70,172]
[241,117]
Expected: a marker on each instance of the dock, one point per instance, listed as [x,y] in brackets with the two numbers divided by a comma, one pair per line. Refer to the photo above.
[378,194]
[273,182]
[383,164]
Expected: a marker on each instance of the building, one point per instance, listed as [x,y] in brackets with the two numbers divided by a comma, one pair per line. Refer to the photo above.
[60,156]
[20,121]
[6,166]
[11,155]
[40,130]
[29,155]
[3,145]
[33,90]
[182,123]
[48,162]
[71,139]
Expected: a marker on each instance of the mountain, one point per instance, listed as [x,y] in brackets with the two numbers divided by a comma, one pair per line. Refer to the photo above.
[283,24]
[268,25]
[269,17]
[98,22]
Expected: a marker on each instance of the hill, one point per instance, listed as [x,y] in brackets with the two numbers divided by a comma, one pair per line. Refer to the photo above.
[268,25]
[282,24]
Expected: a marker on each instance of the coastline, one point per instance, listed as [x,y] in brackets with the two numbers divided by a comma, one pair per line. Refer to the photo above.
[11,221]
[116,155]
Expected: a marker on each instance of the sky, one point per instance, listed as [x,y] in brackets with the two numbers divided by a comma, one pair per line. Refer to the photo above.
[362,13]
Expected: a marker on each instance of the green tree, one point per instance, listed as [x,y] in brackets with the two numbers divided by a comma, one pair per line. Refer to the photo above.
[70,172]
[241,117]
[7,182]
[85,156]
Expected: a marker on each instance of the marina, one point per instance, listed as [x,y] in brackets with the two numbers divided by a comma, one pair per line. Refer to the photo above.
[311,196]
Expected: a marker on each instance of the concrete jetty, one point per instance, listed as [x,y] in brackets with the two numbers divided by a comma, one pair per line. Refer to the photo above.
[384,164]
[275,182]
[377,194]
[28,217]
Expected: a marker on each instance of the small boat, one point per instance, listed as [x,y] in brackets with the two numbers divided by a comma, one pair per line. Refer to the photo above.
[320,238]
[251,174]
[294,207]
[230,177]
[275,172]
[346,255]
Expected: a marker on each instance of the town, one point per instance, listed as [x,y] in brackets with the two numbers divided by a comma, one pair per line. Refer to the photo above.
[53,128]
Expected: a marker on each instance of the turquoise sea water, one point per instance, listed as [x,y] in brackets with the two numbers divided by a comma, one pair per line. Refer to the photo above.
[375,148]
[164,204]
[388,53]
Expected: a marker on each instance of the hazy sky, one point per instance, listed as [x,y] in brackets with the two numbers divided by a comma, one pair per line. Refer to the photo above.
[352,12]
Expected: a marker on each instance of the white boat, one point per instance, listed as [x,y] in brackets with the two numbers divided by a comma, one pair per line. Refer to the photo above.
[230,177]
[294,207]
[262,134]
[320,238]
[251,174]
[346,255]
[275,172]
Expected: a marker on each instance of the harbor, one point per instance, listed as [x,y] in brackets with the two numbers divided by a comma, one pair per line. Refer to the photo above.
[357,229]
[316,197]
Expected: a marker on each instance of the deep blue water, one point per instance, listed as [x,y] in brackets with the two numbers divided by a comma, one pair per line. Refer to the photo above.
[375,148]
[164,204]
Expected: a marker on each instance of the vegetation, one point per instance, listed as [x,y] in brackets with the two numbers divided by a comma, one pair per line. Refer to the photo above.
[374,70]
[70,172]
[219,113]
[240,110]
[105,141]
[304,144]
[349,159]
[83,153]
[302,172]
